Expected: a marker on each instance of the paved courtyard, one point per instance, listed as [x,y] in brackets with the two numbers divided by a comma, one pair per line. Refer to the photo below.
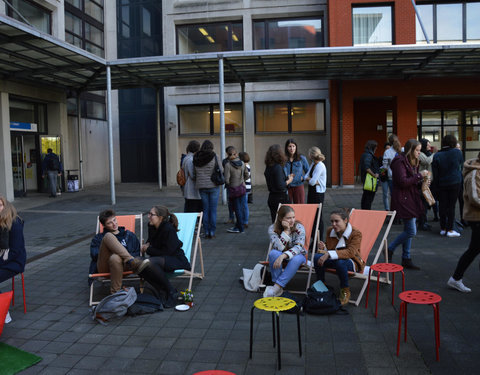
[214,334]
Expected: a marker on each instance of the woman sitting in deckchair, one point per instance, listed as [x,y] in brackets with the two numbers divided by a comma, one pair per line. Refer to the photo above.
[288,238]
[344,256]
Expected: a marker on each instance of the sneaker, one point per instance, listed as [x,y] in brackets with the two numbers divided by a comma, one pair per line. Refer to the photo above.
[138,264]
[443,232]
[234,230]
[452,233]
[458,284]
[344,296]
[8,318]
[269,292]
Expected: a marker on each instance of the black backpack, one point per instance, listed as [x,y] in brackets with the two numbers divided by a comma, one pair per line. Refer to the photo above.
[53,163]
[321,303]
[145,304]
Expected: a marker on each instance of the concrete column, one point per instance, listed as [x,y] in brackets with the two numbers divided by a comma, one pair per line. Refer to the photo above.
[6,173]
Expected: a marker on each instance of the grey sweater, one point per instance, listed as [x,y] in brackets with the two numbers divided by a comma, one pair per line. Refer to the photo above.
[203,174]
[235,173]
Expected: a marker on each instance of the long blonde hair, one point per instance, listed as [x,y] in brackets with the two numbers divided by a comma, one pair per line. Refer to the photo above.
[282,212]
[7,215]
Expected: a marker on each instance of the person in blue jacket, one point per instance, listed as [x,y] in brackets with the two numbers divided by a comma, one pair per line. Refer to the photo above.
[52,167]
[12,244]
[447,178]
[296,165]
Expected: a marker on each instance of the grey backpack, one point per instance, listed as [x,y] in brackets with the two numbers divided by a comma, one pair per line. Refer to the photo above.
[114,305]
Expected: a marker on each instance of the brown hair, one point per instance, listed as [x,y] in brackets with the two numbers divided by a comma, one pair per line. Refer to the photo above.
[409,148]
[281,213]
[275,155]
[244,157]
[7,215]
[162,211]
[105,215]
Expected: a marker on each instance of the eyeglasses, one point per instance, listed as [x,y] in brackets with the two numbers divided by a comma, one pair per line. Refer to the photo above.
[152,214]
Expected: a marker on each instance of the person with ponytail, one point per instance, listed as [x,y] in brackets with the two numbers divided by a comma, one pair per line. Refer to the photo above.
[165,249]
[12,243]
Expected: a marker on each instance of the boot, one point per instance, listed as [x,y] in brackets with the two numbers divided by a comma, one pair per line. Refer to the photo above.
[344,295]
[408,264]
[390,256]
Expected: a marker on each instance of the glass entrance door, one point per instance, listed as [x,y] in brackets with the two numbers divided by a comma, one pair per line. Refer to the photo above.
[18,166]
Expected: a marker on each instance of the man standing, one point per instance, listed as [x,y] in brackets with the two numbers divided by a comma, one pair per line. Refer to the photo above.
[52,167]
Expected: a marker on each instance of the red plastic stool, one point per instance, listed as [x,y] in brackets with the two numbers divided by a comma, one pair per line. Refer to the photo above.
[387,268]
[419,297]
[23,289]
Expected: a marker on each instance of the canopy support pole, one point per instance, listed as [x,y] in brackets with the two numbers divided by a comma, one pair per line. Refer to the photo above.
[221,88]
[80,144]
[110,135]
[159,139]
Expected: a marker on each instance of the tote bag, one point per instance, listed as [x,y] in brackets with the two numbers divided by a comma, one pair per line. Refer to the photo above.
[370,183]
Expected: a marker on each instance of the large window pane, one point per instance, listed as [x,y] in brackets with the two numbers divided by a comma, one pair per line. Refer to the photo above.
[233,118]
[209,38]
[94,35]
[94,10]
[426,15]
[372,25]
[472,117]
[37,16]
[73,24]
[449,23]
[472,138]
[271,117]
[452,117]
[473,22]
[194,119]
[288,33]
[431,118]
[307,116]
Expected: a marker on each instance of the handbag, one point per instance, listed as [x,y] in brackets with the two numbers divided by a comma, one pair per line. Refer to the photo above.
[427,194]
[237,191]
[370,183]
[217,176]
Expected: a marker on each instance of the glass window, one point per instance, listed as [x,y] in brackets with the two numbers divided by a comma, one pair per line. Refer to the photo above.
[472,117]
[431,118]
[473,24]
[212,37]
[449,23]
[36,15]
[288,117]
[95,110]
[372,25]
[452,117]
[287,33]
[205,119]
[94,10]
[73,24]
[94,35]
[426,15]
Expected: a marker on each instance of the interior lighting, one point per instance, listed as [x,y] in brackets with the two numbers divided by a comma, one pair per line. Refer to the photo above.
[210,39]
[235,38]
[203,31]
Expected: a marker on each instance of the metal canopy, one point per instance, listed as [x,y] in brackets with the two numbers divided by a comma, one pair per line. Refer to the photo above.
[30,56]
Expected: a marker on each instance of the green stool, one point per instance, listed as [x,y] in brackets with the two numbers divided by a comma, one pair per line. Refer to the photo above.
[275,305]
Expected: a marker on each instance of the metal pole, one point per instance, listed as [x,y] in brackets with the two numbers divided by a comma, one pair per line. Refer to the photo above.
[159,140]
[222,118]
[420,21]
[244,121]
[110,135]
[340,133]
[80,144]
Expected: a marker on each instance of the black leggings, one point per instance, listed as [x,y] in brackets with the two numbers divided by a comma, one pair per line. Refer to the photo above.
[274,199]
[447,199]
[314,197]
[473,250]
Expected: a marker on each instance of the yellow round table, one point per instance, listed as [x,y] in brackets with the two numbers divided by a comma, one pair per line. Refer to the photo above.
[275,305]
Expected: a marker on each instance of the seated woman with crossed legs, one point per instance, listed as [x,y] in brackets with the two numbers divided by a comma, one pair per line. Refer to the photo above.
[344,256]
[287,237]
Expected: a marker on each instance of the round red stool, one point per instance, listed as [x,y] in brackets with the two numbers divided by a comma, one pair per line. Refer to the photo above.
[387,268]
[419,297]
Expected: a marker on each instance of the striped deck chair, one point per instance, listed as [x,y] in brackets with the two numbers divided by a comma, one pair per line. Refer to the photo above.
[127,221]
[370,223]
[305,214]
[189,225]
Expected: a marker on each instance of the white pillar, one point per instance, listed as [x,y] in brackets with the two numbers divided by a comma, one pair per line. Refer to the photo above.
[221,88]
[6,173]
[110,136]
[159,139]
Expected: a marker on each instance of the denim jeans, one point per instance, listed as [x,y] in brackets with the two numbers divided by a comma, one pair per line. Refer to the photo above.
[238,209]
[246,211]
[282,276]
[52,182]
[386,186]
[342,266]
[405,238]
[209,202]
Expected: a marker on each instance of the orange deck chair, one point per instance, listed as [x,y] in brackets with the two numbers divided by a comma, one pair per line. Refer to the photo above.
[370,223]
[127,221]
[305,214]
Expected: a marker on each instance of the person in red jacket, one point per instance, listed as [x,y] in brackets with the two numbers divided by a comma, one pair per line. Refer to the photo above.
[406,198]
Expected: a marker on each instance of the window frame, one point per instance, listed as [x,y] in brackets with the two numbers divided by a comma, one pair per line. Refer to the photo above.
[85,98]
[10,12]
[289,119]
[211,119]
[225,23]
[375,5]
[266,21]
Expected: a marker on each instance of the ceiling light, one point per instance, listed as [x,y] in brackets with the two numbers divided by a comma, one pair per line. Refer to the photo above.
[203,31]
[210,39]
[235,38]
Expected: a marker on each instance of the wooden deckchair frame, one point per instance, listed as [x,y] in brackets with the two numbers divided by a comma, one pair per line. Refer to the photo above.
[196,249]
[127,221]
[306,268]
[388,218]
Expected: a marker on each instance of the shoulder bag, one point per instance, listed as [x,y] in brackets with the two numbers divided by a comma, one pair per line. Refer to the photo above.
[217,175]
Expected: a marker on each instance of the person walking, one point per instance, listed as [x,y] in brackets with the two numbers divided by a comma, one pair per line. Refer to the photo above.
[52,167]
[369,166]
[406,198]
[471,214]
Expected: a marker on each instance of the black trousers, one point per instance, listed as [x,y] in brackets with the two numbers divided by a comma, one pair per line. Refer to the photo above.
[473,250]
[274,199]
[193,205]
[447,199]
[314,197]
[367,199]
